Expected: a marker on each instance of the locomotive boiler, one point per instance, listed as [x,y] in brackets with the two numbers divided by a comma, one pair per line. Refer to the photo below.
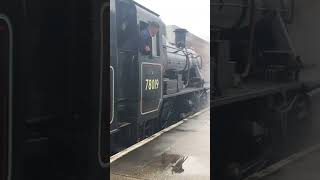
[181,63]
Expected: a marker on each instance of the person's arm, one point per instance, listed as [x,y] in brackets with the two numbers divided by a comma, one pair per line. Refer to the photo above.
[143,44]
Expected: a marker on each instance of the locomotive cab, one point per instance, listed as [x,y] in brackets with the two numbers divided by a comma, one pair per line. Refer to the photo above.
[137,77]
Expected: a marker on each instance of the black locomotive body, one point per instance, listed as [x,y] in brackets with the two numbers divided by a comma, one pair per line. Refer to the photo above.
[259,103]
[150,91]
[57,65]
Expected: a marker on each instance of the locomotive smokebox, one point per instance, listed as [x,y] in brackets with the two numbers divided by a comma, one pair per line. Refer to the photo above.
[180,37]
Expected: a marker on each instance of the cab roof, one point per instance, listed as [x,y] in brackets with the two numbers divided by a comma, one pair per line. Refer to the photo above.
[143,7]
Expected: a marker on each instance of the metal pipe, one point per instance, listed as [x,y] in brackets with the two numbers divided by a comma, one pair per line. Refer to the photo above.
[247,6]
[251,38]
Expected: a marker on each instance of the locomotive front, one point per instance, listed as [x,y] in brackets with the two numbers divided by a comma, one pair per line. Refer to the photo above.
[182,63]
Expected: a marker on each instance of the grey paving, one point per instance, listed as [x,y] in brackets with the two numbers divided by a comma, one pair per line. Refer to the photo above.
[182,153]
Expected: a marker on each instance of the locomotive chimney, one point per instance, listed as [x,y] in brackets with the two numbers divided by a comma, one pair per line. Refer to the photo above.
[180,37]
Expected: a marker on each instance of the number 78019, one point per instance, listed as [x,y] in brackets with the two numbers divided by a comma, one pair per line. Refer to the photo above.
[152,84]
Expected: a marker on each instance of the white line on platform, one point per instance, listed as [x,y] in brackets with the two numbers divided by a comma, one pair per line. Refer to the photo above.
[154,136]
[275,167]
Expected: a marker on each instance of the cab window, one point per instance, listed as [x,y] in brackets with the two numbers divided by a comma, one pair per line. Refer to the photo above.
[126,26]
[155,45]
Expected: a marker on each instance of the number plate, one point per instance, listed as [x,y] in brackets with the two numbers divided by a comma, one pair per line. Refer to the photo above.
[151,87]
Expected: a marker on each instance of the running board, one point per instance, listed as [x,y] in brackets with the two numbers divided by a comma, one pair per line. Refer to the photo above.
[118,129]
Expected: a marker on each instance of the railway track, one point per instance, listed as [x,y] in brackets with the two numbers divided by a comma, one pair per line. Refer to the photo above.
[127,150]
[258,169]
[274,167]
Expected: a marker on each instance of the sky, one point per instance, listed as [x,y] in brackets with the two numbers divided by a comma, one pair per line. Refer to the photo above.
[189,14]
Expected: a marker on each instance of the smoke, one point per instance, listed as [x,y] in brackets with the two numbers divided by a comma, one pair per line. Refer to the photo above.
[205,71]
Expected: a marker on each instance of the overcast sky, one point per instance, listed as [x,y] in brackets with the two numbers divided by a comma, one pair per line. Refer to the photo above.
[194,15]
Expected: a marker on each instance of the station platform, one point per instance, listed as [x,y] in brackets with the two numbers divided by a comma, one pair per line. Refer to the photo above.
[180,153]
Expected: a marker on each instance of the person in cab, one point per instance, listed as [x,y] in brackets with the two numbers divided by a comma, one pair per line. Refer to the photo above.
[146,35]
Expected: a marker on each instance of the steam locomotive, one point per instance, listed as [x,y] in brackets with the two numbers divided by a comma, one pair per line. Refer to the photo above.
[57,65]
[149,92]
[259,102]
